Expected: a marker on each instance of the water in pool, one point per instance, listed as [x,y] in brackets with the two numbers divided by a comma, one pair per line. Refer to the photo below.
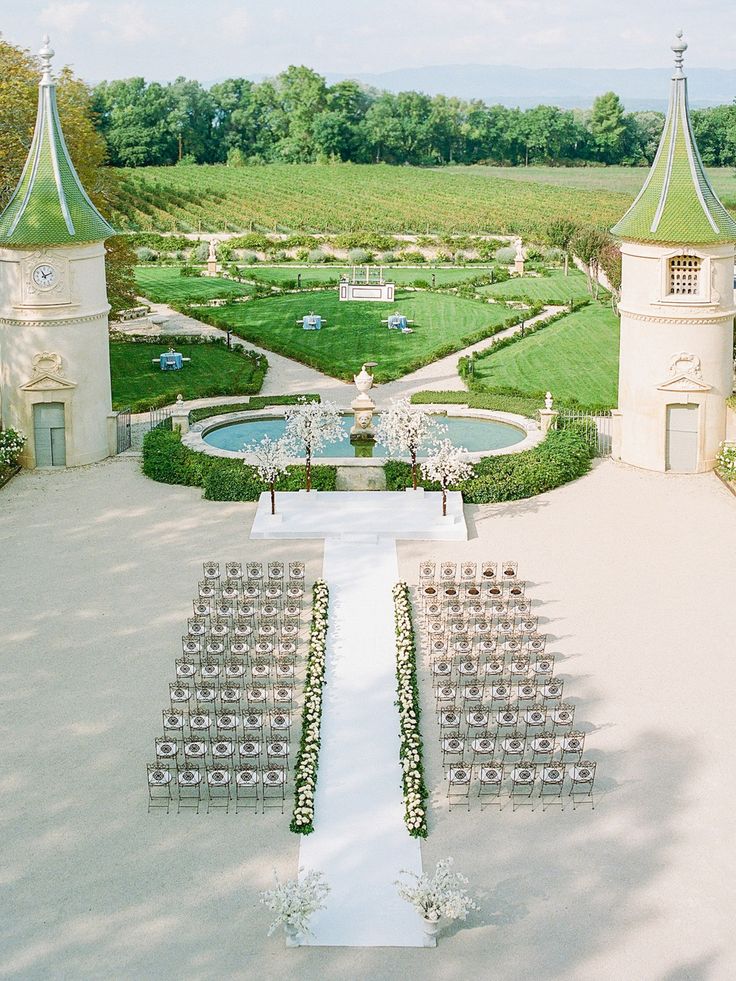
[473,434]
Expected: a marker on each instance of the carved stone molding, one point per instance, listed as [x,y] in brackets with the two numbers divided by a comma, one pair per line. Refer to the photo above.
[721,318]
[47,374]
[685,374]
[56,321]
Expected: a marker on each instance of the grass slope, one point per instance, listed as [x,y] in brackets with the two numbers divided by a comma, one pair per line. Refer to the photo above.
[553,289]
[213,370]
[353,332]
[349,197]
[165,284]
[576,357]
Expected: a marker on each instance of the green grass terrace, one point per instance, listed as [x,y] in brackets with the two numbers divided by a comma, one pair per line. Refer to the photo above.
[165,284]
[331,273]
[353,331]
[574,358]
[213,370]
[553,289]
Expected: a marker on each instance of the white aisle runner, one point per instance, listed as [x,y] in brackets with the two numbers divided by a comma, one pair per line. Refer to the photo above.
[360,841]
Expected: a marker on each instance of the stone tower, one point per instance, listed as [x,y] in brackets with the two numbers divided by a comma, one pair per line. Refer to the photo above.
[677,306]
[54,356]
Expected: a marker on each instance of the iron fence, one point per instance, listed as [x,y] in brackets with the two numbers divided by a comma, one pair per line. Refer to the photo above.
[159,417]
[597,427]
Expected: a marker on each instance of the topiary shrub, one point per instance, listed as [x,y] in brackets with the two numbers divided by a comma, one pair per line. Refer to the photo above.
[316,255]
[145,254]
[359,257]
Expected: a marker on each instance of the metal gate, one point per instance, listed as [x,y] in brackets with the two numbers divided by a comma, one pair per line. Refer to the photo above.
[159,417]
[124,429]
[597,427]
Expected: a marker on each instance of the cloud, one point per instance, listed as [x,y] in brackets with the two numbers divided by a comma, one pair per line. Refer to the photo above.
[64,17]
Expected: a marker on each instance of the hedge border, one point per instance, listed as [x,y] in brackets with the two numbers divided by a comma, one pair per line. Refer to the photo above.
[167,460]
[563,456]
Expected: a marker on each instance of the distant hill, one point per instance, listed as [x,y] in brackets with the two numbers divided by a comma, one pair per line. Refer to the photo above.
[639,88]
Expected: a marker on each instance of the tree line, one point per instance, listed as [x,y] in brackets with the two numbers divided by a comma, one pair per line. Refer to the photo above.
[297,118]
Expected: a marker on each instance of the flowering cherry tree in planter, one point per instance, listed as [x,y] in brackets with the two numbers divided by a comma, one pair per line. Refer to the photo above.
[310,426]
[448,465]
[402,428]
[271,459]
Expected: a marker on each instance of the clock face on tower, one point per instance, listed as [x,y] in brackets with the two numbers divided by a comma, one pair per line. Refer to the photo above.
[44,276]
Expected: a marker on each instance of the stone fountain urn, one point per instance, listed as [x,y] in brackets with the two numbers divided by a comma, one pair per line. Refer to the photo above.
[363,407]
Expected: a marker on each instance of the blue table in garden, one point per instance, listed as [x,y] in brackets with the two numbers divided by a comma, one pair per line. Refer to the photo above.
[312,322]
[397,321]
[171,361]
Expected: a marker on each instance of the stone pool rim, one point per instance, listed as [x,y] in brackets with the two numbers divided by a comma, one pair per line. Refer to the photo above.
[194,438]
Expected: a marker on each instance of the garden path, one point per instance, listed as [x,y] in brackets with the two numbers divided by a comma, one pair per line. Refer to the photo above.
[288,376]
[360,841]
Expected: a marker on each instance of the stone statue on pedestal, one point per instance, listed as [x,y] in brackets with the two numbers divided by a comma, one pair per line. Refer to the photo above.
[363,406]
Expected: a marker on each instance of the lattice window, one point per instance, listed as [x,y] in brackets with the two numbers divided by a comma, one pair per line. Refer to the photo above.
[685,275]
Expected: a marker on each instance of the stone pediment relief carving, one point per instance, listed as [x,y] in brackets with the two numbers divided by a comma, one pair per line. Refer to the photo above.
[683,383]
[47,374]
[685,374]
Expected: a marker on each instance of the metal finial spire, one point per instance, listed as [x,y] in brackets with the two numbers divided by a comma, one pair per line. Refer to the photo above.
[46,54]
[679,47]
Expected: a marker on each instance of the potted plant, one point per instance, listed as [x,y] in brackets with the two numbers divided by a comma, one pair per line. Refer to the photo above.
[440,895]
[294,902]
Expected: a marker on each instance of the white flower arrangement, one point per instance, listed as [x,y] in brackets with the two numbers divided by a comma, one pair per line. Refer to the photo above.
[402,428]
[307,761]
[726,461]
[12,442]
[410,737]
[442,894]
[295,901]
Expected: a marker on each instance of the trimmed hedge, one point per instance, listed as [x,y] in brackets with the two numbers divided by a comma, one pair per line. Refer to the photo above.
[255,402]
[563,456]
[167,460]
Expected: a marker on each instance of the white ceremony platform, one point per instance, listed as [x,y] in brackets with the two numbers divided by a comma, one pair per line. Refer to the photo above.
[360,841]
[409,515]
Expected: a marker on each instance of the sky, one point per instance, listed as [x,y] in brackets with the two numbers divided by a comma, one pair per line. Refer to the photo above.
[214,39]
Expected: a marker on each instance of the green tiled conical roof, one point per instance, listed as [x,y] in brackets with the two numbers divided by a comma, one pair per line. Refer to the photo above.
[677,204]
[49,205]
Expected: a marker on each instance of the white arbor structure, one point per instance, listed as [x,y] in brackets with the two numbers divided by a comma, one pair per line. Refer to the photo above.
[677,306]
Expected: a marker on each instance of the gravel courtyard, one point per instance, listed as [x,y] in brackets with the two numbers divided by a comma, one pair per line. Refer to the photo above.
[633,574]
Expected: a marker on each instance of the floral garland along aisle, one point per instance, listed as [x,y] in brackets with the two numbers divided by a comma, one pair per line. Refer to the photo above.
[307,762]
[415,790]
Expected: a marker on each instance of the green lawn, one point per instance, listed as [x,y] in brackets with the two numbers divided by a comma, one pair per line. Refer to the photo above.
[576,357]
[165,284]
[213,370]
[353,332]
[553,289]
[316,275]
